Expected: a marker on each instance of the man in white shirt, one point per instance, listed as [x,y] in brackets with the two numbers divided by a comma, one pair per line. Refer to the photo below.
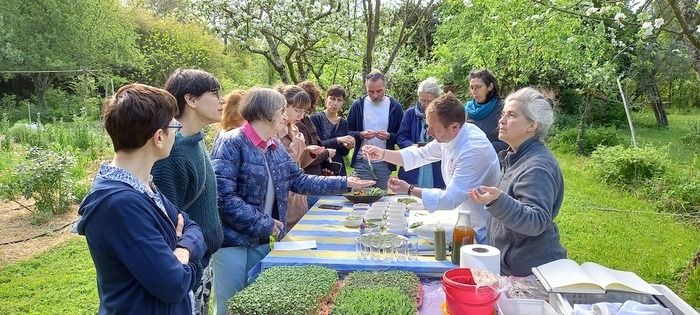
[468,160]
[374,119]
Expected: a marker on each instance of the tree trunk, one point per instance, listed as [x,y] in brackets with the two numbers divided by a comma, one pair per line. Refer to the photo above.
[688,17]
[42,81]
[273,56]
[695,59]
[656,105]
[583,123]
[371,16]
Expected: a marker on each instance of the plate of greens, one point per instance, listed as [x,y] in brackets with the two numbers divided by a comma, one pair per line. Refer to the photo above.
[367,195]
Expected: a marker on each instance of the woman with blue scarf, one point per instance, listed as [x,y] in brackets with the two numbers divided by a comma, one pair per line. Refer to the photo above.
[413,132]
[484,109]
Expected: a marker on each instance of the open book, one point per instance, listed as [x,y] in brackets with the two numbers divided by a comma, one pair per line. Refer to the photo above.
[566,276]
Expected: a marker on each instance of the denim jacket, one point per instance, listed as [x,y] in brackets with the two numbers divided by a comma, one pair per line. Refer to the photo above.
[241,178]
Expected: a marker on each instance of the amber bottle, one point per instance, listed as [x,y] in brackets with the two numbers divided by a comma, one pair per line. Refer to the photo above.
[463,234]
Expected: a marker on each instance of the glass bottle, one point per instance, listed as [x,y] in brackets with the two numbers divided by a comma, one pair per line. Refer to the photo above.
[463,234]
[440,246]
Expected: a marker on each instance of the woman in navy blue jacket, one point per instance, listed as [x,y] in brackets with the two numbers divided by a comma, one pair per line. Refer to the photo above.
[143,247]
[413,131]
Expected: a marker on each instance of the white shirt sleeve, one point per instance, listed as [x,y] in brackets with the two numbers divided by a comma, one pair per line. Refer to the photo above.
[470,170]
[414,157]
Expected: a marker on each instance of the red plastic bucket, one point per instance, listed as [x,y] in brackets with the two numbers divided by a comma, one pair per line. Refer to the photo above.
[464,297]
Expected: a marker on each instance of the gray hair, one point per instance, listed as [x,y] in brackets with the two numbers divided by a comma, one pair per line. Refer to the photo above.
[261,104]
[536,107]
[430,86]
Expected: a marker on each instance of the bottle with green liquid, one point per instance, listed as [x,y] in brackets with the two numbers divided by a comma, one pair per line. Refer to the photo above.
[440,243]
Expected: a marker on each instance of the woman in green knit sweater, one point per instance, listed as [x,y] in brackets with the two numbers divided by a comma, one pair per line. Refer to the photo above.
[186,177]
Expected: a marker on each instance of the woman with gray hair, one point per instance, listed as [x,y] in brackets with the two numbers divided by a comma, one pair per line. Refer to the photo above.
[254,175]
[413,131]
[529,196]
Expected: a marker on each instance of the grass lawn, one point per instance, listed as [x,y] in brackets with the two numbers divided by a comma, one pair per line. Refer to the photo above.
[61,281]
[654,245]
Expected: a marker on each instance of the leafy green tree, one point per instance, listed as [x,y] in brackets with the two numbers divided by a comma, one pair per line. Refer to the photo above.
[298,38]
[66,35]
[168,44]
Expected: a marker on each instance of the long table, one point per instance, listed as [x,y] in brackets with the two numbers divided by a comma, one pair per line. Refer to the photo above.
[336,245]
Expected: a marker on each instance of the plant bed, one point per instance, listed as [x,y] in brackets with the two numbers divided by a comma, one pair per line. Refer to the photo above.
[376,300]
[392,292]
[406,282]
[286,291]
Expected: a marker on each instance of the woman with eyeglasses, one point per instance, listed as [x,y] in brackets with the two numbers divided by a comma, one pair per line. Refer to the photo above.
[486,105]
[414,131]
[254,176]
[529,196]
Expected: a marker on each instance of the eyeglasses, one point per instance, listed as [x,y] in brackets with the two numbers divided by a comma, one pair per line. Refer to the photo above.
[177,126]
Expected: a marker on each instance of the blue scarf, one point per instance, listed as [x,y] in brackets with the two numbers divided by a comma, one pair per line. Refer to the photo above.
[425,173]
[420,114]
[478,111]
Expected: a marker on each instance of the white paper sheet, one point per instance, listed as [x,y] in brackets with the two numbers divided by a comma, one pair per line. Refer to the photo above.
[300,245]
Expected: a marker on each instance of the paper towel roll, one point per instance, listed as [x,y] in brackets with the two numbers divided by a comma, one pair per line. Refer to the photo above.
[477,256]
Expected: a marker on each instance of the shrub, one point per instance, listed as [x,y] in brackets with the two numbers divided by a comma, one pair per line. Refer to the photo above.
[565,140]
[377,300]
[45,176]
[692,287]
[30,135]
[285,291]
[5,139]
[60,104]
[625,167]
[78,134]
[693,137]
[680,194]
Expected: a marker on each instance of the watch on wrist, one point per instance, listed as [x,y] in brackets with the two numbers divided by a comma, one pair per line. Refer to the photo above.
[410,190]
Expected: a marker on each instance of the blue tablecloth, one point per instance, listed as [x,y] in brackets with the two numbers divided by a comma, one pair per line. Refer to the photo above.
[336,245]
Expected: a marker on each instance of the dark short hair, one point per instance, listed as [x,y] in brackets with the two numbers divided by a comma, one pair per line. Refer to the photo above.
[296,96]
[488,78]
[449,109]
[190,81]
[314,93]
[336,91]
[135,112]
